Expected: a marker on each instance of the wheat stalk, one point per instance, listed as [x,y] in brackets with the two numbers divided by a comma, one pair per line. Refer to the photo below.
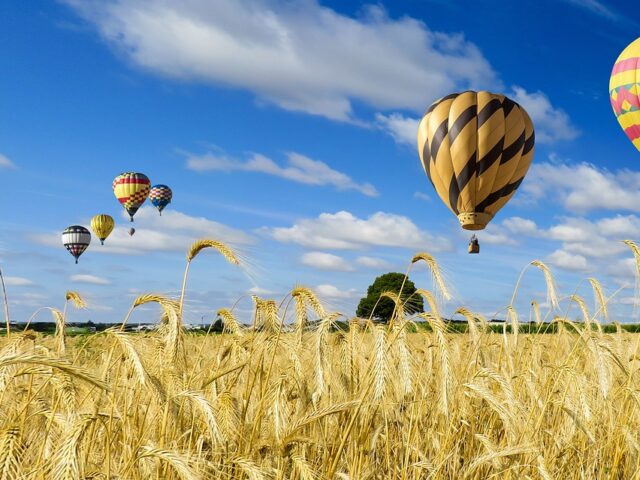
[600,298]
[194,250]
[231,325]
[76,299]
[435,272]
[178,461]
[11,451]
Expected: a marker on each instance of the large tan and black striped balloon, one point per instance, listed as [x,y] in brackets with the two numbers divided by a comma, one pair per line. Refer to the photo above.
[476,148]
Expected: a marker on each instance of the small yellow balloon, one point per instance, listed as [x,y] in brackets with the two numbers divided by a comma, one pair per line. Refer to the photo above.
[102,225]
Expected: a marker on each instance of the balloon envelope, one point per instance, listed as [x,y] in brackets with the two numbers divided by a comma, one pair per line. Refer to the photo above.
[476,148]
[102,225]
[624,91]
[76,239]
[160,196]
[131,189]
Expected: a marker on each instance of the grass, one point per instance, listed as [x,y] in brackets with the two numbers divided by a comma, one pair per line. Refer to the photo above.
[323,397]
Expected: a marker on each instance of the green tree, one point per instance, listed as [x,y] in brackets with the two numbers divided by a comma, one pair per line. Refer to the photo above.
[389,282]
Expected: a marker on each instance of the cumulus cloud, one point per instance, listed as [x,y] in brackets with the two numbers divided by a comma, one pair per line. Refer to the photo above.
[583,187]
[509,232]
[6,163]
[585,245]
[595,239]
[326,261]
[260,291]
[298,55]
[299,169]
[403,129]
[31,300]
[623,268]
[372,262]
[171,232]
[91,279]
[521,226]
[551,123]
[422,196]
[17,281]
[332,292]
[343,230]
[596,7]
[568,261]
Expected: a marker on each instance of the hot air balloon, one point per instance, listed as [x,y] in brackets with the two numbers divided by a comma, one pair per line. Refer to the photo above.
[102,225]
[476,148]
[76,239]
[624,91]
[132,231]
[131,189]
[160,196]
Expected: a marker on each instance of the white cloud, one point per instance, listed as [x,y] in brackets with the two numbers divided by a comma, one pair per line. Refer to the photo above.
[326,261]
[91,279]
[298,55]
[17,281]
[568,261]
[300,169]
[623,268]
[594,239]
[494,235]
[551,124]
[521,226]
[372,262]
[6,163]
[583,187]
[260,291]
[332,292]
[173,231]
[509,232]
[31,300]
[402,129]
[422,196]
[343,230]
[585,245]
[596,7]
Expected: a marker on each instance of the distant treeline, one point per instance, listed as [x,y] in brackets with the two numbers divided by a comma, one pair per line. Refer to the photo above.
[453,326]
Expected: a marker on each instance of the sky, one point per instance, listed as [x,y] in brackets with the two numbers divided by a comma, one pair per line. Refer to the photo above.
[287,130]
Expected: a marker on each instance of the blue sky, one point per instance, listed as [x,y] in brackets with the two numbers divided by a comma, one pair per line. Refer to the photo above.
[286,128]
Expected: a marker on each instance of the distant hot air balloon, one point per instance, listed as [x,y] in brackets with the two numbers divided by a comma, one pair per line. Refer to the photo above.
[102,225]
[476,148]
[131,189]
[132,231]
[624,91]
[76,239]
[160,196]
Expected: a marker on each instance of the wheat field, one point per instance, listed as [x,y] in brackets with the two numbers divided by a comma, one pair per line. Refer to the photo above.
[303,401]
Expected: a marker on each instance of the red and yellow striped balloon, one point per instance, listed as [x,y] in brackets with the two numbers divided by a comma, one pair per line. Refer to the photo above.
[624,91]
[131,189]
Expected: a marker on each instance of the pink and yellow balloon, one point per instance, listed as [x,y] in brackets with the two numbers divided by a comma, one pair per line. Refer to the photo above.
[624,91]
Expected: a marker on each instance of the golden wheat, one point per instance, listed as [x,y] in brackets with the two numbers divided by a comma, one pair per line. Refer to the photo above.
[324,399]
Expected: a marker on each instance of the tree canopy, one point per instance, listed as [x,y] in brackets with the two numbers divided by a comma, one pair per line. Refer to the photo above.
[389,282]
